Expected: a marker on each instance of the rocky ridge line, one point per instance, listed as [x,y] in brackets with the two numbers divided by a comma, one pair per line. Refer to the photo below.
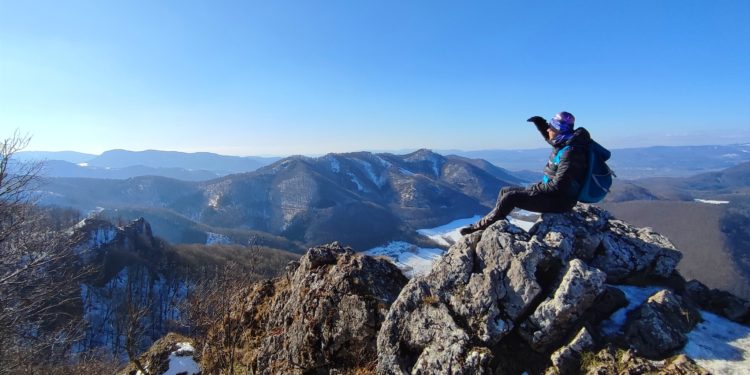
[500,301]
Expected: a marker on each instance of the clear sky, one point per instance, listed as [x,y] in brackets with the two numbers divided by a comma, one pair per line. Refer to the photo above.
[310,77]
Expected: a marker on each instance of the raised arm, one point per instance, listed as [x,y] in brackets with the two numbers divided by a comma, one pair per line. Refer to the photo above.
[541,125]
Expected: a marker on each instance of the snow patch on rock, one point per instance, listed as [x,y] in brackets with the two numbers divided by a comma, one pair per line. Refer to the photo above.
[181,361]
[636,297]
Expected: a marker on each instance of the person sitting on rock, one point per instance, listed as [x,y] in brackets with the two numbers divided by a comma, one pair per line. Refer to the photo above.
[563,175]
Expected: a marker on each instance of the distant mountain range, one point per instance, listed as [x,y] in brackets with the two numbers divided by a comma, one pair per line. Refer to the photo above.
[711,185]
[629,163]
[122,164]
[707,216]
[365,200]
[362,199]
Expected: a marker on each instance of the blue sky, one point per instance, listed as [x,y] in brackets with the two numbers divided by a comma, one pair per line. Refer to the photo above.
[310,77]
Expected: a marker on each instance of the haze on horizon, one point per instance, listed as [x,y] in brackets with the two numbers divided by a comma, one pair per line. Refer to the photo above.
[281,78]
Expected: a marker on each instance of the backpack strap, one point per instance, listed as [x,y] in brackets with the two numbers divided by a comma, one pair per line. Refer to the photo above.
[559,154]
[555,160]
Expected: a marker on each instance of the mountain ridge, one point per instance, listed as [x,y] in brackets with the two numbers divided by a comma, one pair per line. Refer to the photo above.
[637,162]
[305,199]
[500,301]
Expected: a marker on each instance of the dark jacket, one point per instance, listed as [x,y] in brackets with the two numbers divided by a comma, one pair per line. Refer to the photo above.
[565,178]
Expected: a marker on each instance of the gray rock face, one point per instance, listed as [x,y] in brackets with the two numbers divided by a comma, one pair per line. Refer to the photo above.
[718,301]
[610,361]
[577,291]
[505,288]
[631,253]
[323,315]
[659,327]
[567,360]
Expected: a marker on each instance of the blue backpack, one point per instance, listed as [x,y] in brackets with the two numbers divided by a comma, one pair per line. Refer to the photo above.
[599,176]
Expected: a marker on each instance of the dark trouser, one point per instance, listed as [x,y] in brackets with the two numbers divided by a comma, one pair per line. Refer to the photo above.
[517,197]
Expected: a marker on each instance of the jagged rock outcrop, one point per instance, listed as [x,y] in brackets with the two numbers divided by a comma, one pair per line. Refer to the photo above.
[624,362]
[552,319]
[501,299]
[660,326]
[718,301]
[568,358]
[322,316]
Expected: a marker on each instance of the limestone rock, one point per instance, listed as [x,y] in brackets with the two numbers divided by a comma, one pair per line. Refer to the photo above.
[323,315]
[497,288]
[552,319]
[659,327]
[567,360]
[630,253]
[624,362]
[682,365]
[718,302]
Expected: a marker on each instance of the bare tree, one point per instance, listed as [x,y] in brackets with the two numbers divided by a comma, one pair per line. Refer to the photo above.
[135,314]
[218,293]
[17,181]
[39,274]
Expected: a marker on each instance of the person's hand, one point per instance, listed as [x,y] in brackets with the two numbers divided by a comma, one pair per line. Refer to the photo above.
[468,230]
[538,120]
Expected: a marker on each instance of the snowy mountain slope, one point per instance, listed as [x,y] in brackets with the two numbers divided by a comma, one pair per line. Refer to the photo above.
[361,199]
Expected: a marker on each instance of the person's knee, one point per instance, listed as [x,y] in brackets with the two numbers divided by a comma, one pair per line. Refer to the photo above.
[506,190]
[510,195]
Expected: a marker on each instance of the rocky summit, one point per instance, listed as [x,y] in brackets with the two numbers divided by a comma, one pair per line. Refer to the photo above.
[500,301]
[505,300]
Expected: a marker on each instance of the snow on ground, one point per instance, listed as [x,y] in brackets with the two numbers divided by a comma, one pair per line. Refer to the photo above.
[711,201]
[523,219]
[406,172]
[717,344]
[335,165]
[448,234]
[181,361]
[636,296]
[435,166]
[217,239]
[356,181]
[377,180]
[383,162]
[412,260]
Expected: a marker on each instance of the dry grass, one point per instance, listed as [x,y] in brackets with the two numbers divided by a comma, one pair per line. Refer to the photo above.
[430,300]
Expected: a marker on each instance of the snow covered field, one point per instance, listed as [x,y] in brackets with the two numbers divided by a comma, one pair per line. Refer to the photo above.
[414,260]
[709,201]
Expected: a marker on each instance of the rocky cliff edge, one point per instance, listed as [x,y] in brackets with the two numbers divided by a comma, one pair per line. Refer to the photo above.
[500,301]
